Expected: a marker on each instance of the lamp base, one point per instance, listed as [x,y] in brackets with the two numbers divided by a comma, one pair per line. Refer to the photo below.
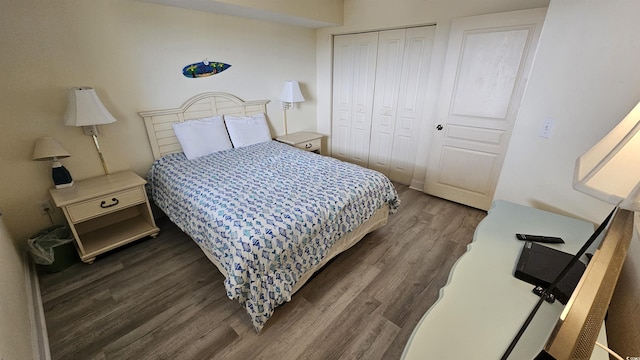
[61,176]
[62,186]
[284,120]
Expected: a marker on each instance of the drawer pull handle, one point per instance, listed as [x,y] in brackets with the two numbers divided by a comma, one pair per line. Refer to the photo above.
[103,204]
[308,146]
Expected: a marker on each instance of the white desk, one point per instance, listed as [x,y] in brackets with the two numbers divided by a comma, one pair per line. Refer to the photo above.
[483,305]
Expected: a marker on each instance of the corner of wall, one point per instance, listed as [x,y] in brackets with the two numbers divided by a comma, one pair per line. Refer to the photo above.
[39,335]
[23,332]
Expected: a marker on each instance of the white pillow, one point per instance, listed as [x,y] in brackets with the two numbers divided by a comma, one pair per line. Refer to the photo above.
[202,137]
[247,130]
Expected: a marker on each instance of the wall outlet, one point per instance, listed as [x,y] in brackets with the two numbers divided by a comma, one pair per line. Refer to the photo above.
[547,127]
[44,206]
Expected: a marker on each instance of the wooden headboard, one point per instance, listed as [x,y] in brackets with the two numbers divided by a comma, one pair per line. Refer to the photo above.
[159,122]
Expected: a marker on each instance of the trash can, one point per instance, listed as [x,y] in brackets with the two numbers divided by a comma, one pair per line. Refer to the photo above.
[52,249]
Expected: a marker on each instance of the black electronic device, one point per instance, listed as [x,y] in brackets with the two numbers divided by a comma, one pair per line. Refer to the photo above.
[540,239]
[540,265]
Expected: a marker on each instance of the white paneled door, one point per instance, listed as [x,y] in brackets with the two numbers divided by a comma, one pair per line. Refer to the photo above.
[488,61]
[385,98]
[395,103]
[353,82]
[411,100]
[401,79]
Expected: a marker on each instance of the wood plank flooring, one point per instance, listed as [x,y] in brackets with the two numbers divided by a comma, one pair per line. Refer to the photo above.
[162,299]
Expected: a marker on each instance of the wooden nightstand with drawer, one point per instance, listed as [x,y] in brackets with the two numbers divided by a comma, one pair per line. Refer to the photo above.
[303,140]
[106,212]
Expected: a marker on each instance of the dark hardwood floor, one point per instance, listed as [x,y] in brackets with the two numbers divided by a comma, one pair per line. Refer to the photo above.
[162,298]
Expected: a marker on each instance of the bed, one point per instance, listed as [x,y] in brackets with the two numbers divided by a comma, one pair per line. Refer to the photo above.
[268,215]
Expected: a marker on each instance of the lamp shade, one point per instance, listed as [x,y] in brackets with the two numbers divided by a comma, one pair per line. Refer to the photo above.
[610,171]
[47,148]
[85,108]
[291,92]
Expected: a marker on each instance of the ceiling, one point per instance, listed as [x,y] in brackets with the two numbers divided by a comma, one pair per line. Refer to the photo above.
[241,11]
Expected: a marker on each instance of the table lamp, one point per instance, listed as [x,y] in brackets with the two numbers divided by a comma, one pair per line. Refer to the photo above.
[85,109]
[290,94]
[47,148]
[609,171]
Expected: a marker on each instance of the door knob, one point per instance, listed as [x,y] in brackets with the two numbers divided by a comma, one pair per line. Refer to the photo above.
[439,127]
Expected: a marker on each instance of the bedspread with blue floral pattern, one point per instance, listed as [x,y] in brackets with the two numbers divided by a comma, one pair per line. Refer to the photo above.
[267,212]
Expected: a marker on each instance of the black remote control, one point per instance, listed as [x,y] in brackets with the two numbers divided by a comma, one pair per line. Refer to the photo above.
[540,239]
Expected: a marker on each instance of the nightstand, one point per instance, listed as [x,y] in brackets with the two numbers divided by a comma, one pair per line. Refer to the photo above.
[303,140]
[106,212]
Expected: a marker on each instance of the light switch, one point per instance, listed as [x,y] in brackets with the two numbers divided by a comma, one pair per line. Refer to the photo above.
[547,127]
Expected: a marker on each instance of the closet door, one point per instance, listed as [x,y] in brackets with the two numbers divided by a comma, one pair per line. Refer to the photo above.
[388,75]
[354,66]
[401,81]
[379,87]
[410,104]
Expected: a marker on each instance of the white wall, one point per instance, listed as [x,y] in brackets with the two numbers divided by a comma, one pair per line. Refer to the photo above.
[132,53]
[328,11]
[308,13]
[586,77]
[15,324]
[367,15]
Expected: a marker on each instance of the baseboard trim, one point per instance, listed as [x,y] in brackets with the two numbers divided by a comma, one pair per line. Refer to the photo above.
[417,185]
[39,335]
